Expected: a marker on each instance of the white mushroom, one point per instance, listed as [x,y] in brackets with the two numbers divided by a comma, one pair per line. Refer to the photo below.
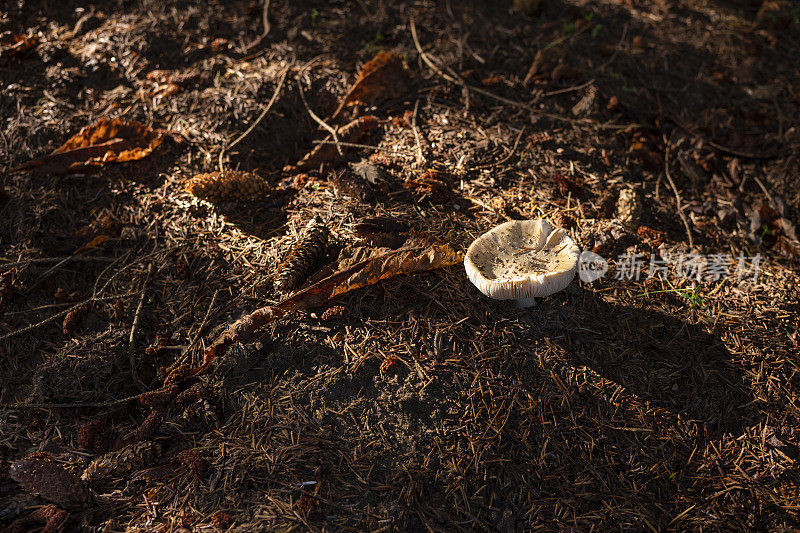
[522,260]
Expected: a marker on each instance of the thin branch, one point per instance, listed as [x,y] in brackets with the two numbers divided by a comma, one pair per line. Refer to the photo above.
[318,120]
[267,27]
[677,199]
[420,157]
[63,313]
[459,81]
[260,117]
[137,318]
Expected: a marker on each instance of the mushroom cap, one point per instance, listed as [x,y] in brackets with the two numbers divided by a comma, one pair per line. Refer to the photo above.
[522,259]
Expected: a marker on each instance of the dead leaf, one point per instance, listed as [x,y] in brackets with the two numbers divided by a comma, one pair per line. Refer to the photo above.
[372,270]
[382,231]
[366,272]
[384,76]
[106,141]
[326,152]
[94,243]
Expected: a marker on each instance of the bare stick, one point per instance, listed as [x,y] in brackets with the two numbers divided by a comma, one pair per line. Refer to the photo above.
[462,83]
[260,117]
[267,27]
[319,121]
[63,313]
[136,321]
[60,260]
[688,129]
[677,199]
[420,157]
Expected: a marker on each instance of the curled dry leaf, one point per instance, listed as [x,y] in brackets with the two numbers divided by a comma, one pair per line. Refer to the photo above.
[228,185]
[326,152]
[44,477]
[384,232]
[106,141]
[120,463]
[384,76]
[426,256]
[372,270]
[94,243]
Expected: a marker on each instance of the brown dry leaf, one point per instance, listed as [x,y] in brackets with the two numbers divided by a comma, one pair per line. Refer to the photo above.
[45,478]
[372,270]
[106,141]
[94,243]
[428,256]
[384,76]
[326,152]
[382,231]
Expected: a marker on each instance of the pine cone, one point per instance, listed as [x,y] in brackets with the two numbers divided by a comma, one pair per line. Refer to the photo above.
[228,185]
[305,256]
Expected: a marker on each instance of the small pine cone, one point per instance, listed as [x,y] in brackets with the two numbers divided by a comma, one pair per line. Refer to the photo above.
[333,312]
[74,318]
[94,436]
[305,256]
[194,460]
[228,185]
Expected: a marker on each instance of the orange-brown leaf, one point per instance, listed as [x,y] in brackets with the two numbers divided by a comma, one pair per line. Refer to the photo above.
[383,76]
[372,270]
[106,141]
[94,243]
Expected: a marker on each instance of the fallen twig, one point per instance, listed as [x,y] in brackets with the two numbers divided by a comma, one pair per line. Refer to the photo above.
[62,314]
[136,321]
[459,81]
[267,27]
[677,199]
[752,155]
[261,116]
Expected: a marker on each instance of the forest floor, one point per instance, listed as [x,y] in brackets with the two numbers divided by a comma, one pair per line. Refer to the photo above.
[652,130]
